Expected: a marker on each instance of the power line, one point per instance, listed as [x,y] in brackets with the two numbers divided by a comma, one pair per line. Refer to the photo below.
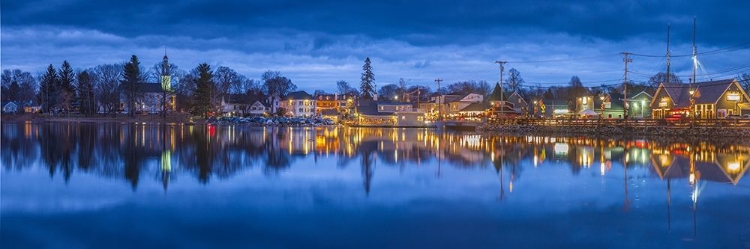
[568,59]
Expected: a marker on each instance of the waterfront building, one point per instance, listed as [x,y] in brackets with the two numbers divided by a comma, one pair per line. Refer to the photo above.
[703,100]
[298,104]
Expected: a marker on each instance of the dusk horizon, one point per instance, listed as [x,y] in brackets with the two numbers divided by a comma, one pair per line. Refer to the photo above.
[316,45]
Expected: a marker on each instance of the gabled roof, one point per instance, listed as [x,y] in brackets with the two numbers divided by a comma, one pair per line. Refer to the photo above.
[514,97]
[370,108]
[709,92]
[644,93]
[298,95]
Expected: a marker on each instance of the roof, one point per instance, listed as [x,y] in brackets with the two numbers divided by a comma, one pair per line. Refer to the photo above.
[709,92]
[514,97]
[388,102]
[370,108]
[497,94]
[476,107]
[146,87]
[298,95]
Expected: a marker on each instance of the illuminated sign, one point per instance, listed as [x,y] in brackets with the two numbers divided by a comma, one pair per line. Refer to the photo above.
[733,97]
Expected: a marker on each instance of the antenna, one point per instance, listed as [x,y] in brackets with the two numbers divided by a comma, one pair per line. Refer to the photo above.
[695,56]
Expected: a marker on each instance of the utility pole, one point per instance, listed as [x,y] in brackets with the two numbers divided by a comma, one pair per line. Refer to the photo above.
[627,60]
[502,104]
[440,99]
[669,57]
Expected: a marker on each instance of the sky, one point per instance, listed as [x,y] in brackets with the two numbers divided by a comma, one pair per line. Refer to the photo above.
[316,43]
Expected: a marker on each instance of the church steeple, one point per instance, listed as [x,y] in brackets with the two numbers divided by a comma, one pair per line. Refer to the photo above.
[166,75]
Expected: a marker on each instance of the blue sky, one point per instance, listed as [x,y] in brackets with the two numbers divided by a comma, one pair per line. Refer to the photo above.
[316,43]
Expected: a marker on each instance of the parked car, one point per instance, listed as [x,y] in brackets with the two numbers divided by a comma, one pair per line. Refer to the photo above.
[747,116]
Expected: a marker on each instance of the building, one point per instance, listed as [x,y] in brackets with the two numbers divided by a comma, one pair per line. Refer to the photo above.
[461,102]
[387,114]
[150,99]
[704,100]
[234,105]
[639,105]
[519,104]
[258,105]
[10,107]
[298,104]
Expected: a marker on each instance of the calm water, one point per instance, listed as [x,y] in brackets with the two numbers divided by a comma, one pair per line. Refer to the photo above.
[67,185]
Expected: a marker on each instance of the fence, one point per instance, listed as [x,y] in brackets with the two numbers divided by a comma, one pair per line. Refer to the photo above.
[622,122]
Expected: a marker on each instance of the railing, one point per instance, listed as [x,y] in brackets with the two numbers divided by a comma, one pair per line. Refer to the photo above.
[621,122]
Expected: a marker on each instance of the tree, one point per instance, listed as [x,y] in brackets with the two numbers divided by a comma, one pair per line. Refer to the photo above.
[275,84]
[344,88]
[203,91]
[18,86]
[367,86]
[107,78]
[514,80]
[131,80]
[576,90]
[86,93]
[66,86]
[389,91]
[48,89]
[661,77]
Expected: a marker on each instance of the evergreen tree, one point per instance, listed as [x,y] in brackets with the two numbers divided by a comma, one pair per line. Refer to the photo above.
[203,90]
[367,87]
[48,89]
[86,93]
[130,83]
[66,86]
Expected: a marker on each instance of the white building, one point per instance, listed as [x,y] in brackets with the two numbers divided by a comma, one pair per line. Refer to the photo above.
[298,104]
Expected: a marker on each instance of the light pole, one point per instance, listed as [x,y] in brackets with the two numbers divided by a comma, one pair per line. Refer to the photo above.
[533,115]
[601,97]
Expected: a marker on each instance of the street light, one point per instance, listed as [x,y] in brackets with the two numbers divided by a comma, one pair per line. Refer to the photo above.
[533,115]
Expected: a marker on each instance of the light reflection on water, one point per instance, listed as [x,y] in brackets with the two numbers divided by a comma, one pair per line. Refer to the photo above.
[323,187]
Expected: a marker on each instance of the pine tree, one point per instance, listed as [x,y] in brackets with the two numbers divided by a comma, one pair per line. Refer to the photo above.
[130,83]
[367,87]
[47,89]
[203,90]
[86,93]
[66,87]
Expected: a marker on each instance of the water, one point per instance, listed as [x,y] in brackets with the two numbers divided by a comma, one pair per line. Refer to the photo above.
[70,185]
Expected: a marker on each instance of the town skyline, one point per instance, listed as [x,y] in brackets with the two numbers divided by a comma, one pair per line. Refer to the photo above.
[316,45]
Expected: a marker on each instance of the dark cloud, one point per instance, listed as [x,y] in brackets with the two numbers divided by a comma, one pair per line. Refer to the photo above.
[417,22]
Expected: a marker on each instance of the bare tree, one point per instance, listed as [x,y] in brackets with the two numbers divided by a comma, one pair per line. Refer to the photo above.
[514,80]
[107,78]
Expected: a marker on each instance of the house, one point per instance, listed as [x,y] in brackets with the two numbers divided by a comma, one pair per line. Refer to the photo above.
[609,106]
[150,99]
[387,114]
[476,109]
[341,103]
[461,102]
[704,100]
[519,104]
[639,105]
[10,107]
[554,107]
[298,104]
[500,105]
[234,105]
[258,106]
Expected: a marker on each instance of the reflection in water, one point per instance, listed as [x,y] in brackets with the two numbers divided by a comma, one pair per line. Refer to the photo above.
[138,154]
[131,151]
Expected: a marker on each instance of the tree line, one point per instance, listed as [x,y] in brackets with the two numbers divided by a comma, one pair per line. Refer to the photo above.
[104,88]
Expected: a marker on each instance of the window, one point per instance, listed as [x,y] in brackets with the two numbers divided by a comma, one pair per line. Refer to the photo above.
[299,102]
[300,109]
[403,117]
